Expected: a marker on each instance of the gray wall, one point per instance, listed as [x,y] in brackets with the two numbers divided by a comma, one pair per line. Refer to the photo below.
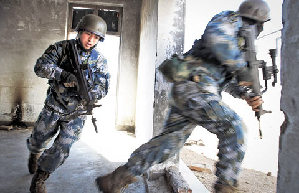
[288,167]
[29,27]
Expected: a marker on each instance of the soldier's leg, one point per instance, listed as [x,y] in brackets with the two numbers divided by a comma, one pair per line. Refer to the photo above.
[44,129]
[69,133]
[232,146]
[207,109]
[176,131]
[230,130]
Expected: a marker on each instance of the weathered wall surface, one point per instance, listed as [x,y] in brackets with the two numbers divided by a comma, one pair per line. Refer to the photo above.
[29,27]
[288,168]
[26,29]
[170,41]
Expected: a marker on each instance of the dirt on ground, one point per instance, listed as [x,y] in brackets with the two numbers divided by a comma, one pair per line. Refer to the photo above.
[250,181]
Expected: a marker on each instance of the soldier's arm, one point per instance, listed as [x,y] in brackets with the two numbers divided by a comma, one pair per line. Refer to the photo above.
[221,38]
[102,79]
[239,91]
[234,89]
[47,65]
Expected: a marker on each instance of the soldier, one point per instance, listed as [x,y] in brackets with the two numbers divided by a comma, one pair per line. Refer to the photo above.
[199,77]
[64,110]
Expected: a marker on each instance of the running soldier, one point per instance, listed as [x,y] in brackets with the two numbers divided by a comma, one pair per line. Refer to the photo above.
[65,110]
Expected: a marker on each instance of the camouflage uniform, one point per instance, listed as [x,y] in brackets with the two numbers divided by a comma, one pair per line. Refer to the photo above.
[64,110]
[199,102]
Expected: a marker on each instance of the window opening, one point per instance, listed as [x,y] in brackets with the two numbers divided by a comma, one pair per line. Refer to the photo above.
[78,13]
[111,15]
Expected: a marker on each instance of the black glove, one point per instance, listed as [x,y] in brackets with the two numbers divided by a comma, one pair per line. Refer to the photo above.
[68,79]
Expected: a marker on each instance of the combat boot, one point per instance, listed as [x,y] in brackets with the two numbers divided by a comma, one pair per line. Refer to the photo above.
[223,188]
[32,162]
[38,181]
[115,181]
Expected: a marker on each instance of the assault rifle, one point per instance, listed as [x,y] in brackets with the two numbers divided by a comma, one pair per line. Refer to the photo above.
[250,74]
[83,89]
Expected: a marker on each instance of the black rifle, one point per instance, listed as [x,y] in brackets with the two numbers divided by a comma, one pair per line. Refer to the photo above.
[250,74]
[82,87]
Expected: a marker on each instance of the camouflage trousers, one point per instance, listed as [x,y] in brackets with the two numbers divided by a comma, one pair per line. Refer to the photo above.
[194,107]
[50,123]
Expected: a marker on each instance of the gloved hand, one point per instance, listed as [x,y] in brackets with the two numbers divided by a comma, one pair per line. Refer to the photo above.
[68,79]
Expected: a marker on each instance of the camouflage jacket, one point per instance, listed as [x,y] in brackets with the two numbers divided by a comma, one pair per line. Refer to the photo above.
[55,59]
[215,58]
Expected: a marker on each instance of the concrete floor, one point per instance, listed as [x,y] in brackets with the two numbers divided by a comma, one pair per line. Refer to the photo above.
[93,155]
[76,175]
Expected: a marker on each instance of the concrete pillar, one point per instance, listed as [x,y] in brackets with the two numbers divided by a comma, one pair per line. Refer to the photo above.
[171,28]
[128,61]
[161,35]
[146,70]
[288,167]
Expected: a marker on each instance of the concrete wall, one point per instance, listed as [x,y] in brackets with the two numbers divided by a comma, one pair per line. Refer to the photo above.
[29,27]
[288,168]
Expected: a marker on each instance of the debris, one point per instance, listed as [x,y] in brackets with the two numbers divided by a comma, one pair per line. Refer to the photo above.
[200,168]
[16,119]
[194,142]
[6,127]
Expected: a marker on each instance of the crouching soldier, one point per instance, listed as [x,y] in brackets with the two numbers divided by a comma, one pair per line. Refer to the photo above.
[65,109]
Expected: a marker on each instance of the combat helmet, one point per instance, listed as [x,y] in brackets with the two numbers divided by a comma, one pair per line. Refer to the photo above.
[94,24]
[255,9]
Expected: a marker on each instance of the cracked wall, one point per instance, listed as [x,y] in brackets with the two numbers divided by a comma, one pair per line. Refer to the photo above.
[288,168]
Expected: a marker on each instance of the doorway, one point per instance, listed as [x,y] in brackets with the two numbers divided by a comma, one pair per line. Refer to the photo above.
[106,114]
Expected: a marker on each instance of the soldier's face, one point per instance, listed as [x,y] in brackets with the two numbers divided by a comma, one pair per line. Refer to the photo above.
[88,39]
